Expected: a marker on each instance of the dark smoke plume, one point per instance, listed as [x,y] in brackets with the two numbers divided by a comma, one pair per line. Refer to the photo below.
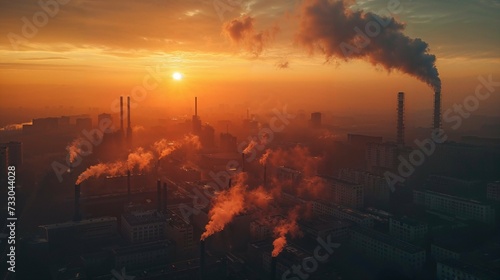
[330,26]
[241,31]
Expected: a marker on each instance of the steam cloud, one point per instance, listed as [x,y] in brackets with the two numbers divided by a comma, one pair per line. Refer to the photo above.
[139,160]
[74,149]
[287,226]
[227,205]
[164,147]
[241,31]
[341,33]
[234,201]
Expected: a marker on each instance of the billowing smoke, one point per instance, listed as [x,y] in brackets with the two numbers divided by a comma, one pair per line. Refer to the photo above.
[265,156]
[164,147]
[234,201]
[241,31]
[250,147]
[74,149]
[298,158]
[286,227]
[138,160]
[341,33]
[227,204]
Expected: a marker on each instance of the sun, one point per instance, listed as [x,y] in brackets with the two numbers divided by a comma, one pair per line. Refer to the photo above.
[177,76]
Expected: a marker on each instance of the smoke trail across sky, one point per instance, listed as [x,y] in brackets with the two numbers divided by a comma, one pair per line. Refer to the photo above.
[330,26]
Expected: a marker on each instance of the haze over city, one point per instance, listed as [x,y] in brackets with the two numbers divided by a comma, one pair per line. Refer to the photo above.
[235,139]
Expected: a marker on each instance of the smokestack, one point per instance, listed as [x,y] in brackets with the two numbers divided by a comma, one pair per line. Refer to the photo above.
[121,114]
[230,183]
[437,110]
[165,196]
[158,196]
[78,215]
[129,127]
[401,125]
[274,263]
[196,106]
[202,259]
[128,185]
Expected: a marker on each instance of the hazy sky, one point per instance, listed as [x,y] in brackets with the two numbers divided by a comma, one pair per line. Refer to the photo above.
[91,51]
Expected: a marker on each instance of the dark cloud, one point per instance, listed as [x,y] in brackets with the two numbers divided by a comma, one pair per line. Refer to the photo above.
[241,31]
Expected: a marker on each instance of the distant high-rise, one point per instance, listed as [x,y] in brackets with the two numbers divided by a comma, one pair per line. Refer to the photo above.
[14,153]
[316,120]
[437,110]
[105,118]
[401,124]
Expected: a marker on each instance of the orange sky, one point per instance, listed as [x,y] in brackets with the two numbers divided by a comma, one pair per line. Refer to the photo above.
[89,52]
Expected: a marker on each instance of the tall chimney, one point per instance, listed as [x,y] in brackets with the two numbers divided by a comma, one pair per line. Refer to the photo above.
[274,263]
[165,197]
[128,185]
[401,124]
[437,110]
[230,183]
[129,127]
[158,195]
[121,114]
[196,106]
[202,259]
[78,215]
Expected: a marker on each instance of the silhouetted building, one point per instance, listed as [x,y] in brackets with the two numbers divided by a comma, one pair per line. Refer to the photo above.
[386,249]
[142,226]
[381,157]
[4,163]
[455,269]
[181,232]
[45,124]
[97,229]
[344,192]
[14,153]
[263,229]
[144,255]
[228,143]
[342,213]
[84,123]
[493,191]
[375,187]
[324,226]
[105,118]
[362,140]
[315,120]
[407,229]
[456,206]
